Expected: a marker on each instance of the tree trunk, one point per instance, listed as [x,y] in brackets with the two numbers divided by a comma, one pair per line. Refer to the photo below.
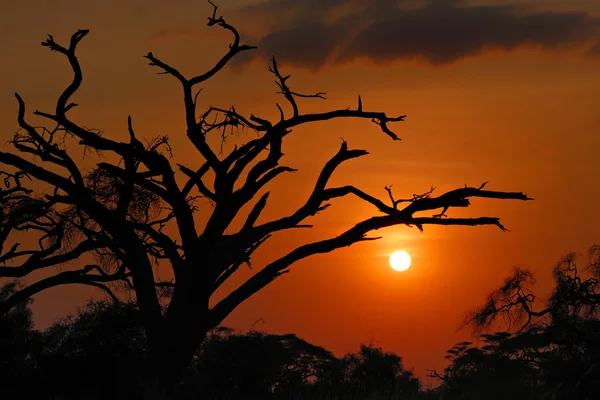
[185,327]
[170,366]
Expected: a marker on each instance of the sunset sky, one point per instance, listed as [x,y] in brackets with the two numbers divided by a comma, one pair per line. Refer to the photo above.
[498,91]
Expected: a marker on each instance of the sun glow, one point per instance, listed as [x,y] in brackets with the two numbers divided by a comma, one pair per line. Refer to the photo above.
[400,260]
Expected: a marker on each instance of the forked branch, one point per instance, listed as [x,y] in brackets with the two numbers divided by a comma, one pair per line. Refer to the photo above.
[281,82]
[358,233]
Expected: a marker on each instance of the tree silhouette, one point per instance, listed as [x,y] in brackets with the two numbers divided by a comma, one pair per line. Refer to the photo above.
[17,340]
[573,300]
[96,353]
[99,353]
[552,349]
[373,372]
[493,371]
[257,365]
[119,211]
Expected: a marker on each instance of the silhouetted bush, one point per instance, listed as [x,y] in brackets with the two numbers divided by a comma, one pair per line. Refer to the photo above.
[552,350]
[17,342]
[100,353]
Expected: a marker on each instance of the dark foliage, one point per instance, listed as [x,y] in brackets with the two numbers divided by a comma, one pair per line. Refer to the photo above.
[17,340]
[551,353]
[99,353]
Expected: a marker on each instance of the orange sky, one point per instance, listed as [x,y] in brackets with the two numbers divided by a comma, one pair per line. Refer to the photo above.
[524,118]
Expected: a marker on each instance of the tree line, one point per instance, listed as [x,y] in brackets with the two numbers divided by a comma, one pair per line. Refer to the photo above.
[548,350]
[100,352]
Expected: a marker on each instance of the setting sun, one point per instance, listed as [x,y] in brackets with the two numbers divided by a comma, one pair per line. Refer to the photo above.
[400,260]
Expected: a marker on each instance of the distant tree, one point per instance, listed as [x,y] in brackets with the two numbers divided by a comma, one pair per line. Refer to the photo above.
[18,340]
[573,300]
[104,342]
[552,348]
[373,372]
[256,365]
[96,353]
[490,371]
[121,210]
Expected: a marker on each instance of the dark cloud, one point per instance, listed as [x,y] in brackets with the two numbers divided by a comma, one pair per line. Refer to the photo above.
[313,33]
[313,43]
[594,51]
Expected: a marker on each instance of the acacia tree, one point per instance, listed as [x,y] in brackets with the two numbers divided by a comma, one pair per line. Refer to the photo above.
[119,212]
[573,300]
[554,343]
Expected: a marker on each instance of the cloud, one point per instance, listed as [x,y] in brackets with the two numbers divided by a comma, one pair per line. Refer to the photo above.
[313,33]
[594,51]
[308,45]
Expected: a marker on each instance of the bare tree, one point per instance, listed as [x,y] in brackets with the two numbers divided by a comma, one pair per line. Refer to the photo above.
[118,212]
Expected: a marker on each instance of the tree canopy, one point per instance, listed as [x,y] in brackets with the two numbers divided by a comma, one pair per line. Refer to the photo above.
[551,348]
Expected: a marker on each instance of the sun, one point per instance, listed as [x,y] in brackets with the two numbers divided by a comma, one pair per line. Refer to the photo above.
[400,260]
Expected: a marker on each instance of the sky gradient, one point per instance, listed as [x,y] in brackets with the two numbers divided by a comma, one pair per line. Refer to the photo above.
[494,91]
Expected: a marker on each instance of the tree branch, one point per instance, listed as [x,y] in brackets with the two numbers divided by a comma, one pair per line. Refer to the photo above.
[68,277]
[40,259]
[353,235]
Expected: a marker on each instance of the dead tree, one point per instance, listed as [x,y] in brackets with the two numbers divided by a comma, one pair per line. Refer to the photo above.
[118,211]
